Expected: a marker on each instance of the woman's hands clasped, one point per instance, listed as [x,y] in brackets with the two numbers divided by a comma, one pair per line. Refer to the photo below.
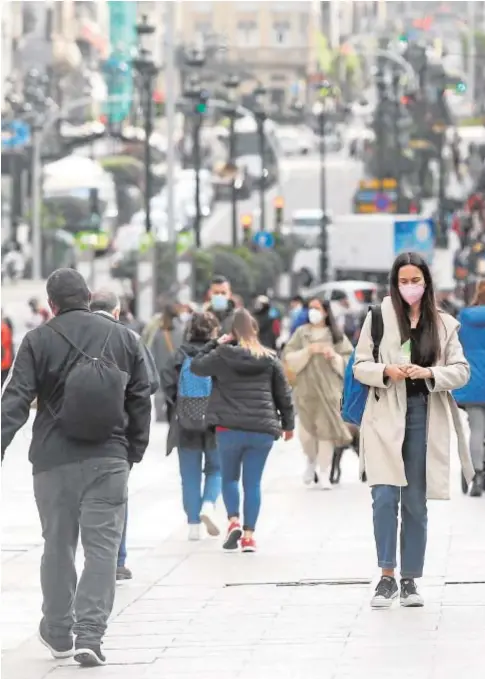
[396,373]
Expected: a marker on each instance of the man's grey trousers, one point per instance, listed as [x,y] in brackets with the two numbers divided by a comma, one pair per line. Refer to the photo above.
[86,498]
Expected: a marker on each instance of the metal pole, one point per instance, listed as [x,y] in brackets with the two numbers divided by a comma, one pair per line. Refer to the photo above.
[442,235]
[36,204]
[323,201]
[170,112]
[147,85]
[397,138]
[197,126]
[262,206]
[471,51]
[232,159]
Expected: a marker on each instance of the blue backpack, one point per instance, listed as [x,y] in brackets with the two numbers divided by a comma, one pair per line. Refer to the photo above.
[192,398]
[355,393]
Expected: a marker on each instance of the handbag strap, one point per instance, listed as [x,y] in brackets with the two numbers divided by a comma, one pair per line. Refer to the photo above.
[168,340]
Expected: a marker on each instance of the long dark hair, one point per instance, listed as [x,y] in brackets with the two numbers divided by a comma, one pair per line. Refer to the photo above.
[201,326]
[330,322]
[429,342]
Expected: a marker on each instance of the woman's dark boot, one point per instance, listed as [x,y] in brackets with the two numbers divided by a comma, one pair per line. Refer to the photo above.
[477,485]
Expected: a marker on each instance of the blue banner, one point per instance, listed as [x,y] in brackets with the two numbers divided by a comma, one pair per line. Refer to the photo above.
[117,69]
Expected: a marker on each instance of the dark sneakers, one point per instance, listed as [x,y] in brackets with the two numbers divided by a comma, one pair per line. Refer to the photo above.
[410,597]
[60,647]
[386,591]
[88,656]
[477,485]
[123,573]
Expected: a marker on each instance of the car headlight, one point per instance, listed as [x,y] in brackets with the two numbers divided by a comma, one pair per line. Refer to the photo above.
[238,184]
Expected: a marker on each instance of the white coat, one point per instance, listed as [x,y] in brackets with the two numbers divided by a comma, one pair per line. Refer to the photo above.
[384,420]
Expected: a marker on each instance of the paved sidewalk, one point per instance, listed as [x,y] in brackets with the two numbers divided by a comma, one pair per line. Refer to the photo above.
[297,609]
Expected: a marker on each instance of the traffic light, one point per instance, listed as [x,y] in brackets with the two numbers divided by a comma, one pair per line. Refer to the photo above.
[246,223]
[460,87]
[403,39]
[201,105]
[279,204]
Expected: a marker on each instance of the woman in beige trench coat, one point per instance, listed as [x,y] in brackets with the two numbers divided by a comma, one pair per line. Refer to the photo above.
[405,434]
[317,354]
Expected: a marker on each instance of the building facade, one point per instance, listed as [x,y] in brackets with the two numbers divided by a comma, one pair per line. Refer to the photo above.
[272,43]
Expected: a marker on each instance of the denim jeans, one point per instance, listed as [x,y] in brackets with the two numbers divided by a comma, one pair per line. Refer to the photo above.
[247,451]
[414,515]
[193,496]
[122,553]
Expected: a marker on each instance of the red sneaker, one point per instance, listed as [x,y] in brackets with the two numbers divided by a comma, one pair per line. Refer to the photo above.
[248,545]
[234,533]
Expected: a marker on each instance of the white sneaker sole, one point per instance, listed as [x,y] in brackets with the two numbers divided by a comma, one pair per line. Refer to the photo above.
[86,657]
[212,528]
[412,601]
[381,604]
[58,655]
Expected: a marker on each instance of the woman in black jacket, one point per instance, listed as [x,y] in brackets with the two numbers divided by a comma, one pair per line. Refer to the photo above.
[250,406]
[197,449]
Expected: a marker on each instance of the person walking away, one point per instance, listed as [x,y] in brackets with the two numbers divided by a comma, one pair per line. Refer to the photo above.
[126,315]
[405,431]
[92,424]
[108,304]
[317,355]
[7,347]
[199,462]
[268,322]
[163,335]
[250,406]
[221,303]
[472,396]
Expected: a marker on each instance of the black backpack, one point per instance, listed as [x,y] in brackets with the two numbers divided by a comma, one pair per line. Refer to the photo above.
[93,405]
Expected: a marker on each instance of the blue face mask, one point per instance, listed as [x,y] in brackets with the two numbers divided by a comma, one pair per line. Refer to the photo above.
[219,302]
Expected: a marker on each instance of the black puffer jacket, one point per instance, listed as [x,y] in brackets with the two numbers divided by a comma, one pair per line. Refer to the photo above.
[248,392]
[169,376]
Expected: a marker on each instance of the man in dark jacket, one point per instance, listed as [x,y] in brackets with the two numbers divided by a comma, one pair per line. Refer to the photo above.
[108,304]
[79,485]
[221,303]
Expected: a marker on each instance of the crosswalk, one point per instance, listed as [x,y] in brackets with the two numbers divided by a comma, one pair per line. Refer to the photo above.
[332,161]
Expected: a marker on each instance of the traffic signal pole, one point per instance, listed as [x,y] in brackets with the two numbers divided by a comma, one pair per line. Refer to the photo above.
[262,182]
[197,163]
[323,200]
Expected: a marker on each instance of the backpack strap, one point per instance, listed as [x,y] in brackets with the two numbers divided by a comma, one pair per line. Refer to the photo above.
[377,330]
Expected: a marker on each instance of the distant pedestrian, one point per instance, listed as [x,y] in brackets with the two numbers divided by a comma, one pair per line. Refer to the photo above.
[405,433]
[163,335]
[39,314]
[108,304]
[199,459]
[250,406]
[269,321]
[7,347]
[472,396]
[92,424]
[317,355]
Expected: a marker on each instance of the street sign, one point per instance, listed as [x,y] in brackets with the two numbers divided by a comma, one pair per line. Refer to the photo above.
[15,134]
[264,239]
[414,235]
[380,184]
[382,202]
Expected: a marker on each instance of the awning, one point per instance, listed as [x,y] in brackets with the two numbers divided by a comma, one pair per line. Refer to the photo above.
[90,32]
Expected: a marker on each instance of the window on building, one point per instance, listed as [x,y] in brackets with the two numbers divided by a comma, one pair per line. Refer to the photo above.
[247,34]
[281,33]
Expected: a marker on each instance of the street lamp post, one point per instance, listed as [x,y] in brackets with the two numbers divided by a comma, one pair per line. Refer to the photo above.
[260,114]
[232,83]
[144,65]
[396,81]
[198,98]
[319,111]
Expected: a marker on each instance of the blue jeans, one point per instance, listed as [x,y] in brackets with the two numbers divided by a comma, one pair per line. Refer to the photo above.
[249,451]
[414,514]
[122,553]
[190,462]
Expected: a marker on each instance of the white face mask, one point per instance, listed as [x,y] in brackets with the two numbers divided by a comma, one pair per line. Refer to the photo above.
[315,316]
[185,316]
